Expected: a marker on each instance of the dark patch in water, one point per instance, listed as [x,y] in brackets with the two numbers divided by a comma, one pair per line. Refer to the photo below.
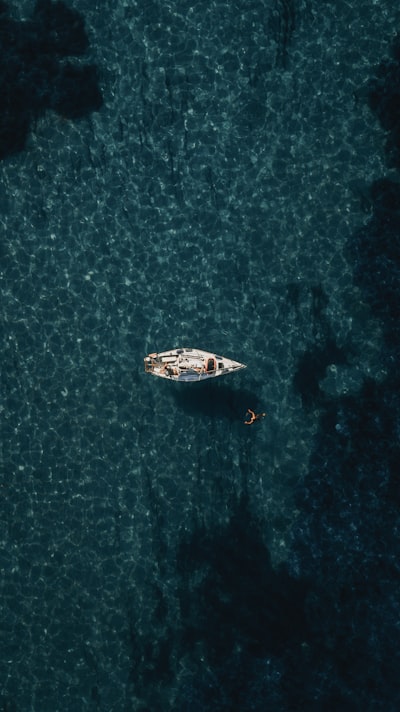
[347,536]
[311,369]
[34,75]
[384,99]
[237,609]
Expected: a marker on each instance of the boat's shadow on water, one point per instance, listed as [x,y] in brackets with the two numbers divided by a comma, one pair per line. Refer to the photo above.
[214,400]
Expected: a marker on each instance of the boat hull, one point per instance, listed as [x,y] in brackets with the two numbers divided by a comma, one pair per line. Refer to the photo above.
[189,365]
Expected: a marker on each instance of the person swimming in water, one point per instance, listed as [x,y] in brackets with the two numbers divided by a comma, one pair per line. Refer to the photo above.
[253,417]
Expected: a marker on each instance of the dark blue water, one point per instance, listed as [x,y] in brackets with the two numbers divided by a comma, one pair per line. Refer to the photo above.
[222,175]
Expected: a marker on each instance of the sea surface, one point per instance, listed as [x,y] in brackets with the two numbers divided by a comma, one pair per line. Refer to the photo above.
[222,177]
